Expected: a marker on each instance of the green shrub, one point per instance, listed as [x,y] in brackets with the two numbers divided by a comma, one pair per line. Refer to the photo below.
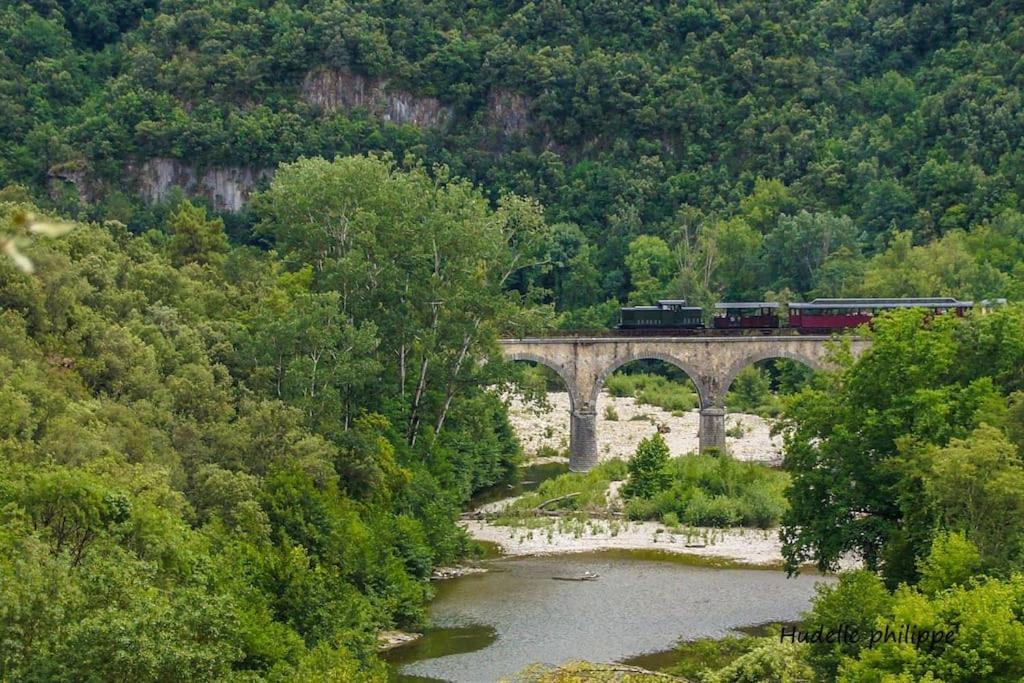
[546,451]
[717,511]
[751,393]
[623,386]
[736,430]
[762,504]
[639,509]
[653,390]
[647,469]
[591,488]
[770,660]
[953,560]
[716,491]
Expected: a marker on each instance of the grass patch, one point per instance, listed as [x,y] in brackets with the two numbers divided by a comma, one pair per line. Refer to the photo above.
[736,430]
[591,486]
[695,660]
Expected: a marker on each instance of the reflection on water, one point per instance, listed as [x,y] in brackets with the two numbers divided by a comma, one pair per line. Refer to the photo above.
[438,642]
[530,477]
[500,622]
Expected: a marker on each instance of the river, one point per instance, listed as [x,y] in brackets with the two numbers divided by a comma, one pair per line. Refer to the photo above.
[488,626]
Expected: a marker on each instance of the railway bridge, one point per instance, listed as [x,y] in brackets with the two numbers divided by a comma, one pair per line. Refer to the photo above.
[712,363]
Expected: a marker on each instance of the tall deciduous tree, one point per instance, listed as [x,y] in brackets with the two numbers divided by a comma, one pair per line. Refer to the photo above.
[423,256]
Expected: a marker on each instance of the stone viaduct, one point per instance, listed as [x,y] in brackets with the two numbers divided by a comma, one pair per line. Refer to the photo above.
[712,363]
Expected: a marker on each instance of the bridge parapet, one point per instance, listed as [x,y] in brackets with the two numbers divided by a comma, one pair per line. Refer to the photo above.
[712,363]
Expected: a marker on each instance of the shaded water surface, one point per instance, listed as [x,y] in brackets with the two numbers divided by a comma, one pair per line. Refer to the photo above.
[492,625]
[530,477]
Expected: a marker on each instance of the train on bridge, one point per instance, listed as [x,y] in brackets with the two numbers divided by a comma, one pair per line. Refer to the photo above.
[821,316]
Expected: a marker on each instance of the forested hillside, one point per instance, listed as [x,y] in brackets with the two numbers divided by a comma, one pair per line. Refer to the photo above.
[790,148]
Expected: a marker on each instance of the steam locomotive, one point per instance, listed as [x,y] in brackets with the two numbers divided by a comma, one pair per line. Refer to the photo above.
[821,316]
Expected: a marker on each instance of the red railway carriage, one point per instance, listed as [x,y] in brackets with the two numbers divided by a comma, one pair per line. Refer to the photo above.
[828,315]
[745,315]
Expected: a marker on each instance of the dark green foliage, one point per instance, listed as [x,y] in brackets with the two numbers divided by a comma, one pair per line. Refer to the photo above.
[648,473]
[704,149]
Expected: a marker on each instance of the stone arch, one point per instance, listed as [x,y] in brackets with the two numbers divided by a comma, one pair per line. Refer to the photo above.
[559,369]
[813,362]
[691,372]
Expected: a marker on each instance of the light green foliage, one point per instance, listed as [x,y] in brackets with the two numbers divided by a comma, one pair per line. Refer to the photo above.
[769,660]
[187,428]
[751,393]
[417,264]
[953,560]
[977,486]
[703,657]
[650,265]
[857,601]
[946,265]
[196,479]
[799,246]
[718,491]
[591,487]
[986,621]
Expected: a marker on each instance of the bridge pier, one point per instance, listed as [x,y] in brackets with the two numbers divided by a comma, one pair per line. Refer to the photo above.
[582,440]
[711,432]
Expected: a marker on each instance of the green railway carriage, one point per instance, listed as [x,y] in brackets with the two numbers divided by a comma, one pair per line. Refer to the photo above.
[671,314]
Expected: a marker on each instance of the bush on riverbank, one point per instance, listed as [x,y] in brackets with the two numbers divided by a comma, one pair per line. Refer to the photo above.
[715,491]
[700,490]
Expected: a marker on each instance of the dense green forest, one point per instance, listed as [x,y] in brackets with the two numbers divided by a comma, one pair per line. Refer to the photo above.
[234,444]
[214,464]
[694,148]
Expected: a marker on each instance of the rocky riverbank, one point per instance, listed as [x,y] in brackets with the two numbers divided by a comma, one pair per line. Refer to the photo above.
[747,547]
[749,436]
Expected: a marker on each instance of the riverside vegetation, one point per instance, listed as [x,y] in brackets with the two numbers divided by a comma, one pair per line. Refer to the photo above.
[216,462]
[233,447]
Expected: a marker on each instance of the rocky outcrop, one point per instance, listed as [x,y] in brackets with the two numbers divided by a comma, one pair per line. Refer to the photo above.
[227,187]
[508,112]
[386,640]
[74,173]
[331,90]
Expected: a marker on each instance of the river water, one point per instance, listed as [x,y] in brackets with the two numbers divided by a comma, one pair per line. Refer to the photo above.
[488,626]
